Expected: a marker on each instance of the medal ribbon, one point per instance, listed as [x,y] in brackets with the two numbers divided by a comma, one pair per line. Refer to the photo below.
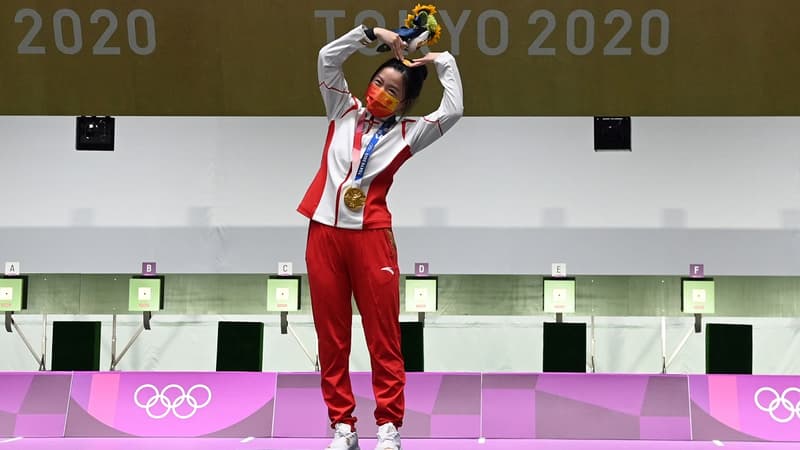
[362,165]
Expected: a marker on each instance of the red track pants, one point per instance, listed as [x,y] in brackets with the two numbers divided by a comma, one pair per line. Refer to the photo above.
[345,263]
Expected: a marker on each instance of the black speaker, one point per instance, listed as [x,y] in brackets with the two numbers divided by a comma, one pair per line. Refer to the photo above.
[240,346]
[564,347]
[729,349]
[76,346]
[94,133]
[612,133]
[413,346]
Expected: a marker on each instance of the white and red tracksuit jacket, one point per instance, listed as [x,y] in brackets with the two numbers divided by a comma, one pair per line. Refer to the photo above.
[323,201]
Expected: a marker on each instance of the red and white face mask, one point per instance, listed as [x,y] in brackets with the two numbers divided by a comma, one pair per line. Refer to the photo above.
[379,102]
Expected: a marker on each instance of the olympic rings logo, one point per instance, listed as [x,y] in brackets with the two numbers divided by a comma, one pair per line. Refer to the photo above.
[171,403]
[780,407]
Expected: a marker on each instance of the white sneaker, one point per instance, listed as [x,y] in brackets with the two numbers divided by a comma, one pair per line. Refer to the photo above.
[344,438]
[388,437]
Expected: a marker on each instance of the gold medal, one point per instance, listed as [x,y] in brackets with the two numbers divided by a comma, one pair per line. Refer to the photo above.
[354,198]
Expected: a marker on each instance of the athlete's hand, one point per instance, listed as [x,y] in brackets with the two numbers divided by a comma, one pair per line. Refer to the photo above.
[391,39]
[427,59]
